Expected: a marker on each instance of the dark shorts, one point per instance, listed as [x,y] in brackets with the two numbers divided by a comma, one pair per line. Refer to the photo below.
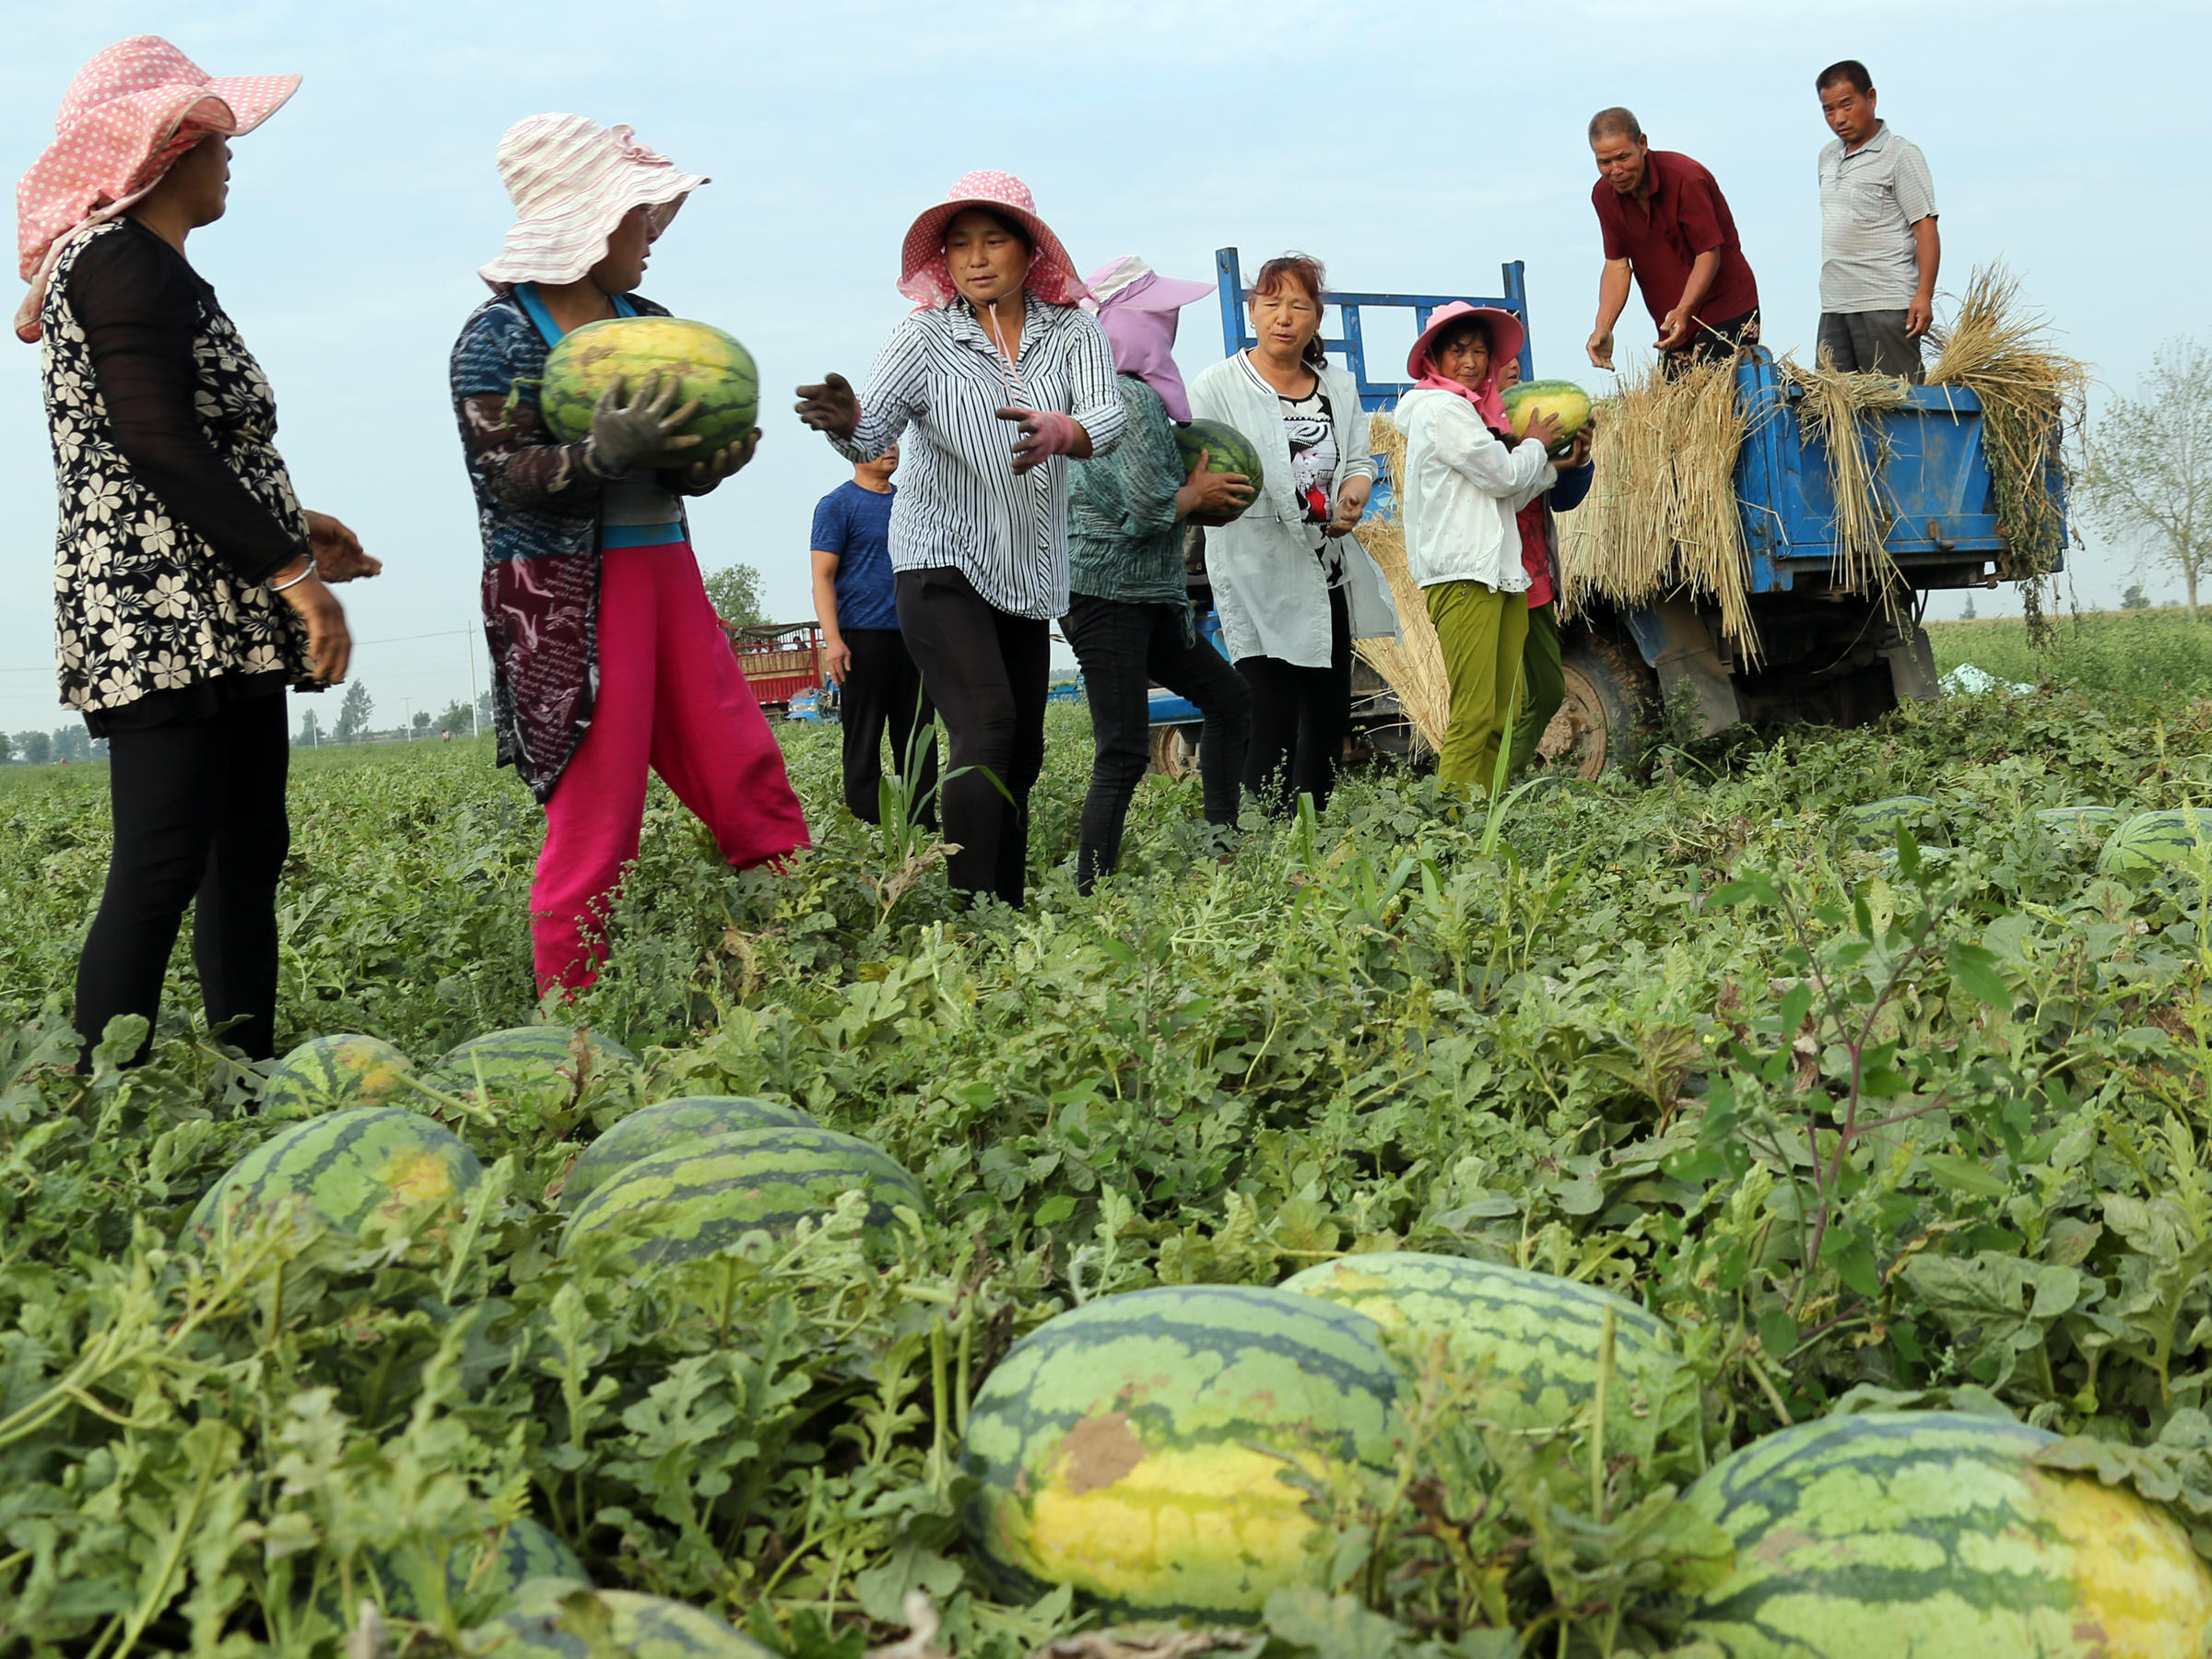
[1869,343]
[1712,342]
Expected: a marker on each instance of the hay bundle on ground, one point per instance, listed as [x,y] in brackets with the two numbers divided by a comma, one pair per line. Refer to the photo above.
[1412,664]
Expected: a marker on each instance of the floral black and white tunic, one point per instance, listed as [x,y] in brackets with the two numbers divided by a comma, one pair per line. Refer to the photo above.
[176,506]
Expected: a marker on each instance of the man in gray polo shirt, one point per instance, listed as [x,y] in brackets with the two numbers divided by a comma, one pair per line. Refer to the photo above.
[1878,245]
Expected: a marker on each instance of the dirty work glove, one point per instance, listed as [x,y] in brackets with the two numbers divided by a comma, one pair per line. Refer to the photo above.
[1044,433]
[625,434]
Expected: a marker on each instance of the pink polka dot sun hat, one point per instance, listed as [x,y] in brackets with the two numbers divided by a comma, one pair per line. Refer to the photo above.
[926,280]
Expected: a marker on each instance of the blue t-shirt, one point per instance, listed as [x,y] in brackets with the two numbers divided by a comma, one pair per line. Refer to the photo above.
[855,524]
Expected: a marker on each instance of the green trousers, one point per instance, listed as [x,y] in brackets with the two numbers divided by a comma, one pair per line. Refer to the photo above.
[1544,687]
[1481,631]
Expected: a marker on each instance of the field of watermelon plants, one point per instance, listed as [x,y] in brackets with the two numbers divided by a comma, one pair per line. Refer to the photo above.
[1741,1126]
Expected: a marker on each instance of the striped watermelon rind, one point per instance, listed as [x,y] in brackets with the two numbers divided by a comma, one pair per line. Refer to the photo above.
[1228,451]
[530,1060]
[542,1625]
[1534,1336]
[669,1123]
[713,369]
[2156,840]
[1137,1447]
[717,1190]
[344,1167]
[525,1550]
[1874,823]
[346,1068]
[2095,822]
[1933,1534]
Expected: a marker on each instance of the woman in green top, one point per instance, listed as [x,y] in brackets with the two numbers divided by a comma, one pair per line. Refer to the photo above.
[1129,611]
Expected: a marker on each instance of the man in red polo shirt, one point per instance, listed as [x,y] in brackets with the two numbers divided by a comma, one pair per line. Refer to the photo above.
[1667,224]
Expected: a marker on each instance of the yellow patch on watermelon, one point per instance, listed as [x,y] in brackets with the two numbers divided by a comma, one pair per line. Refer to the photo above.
[2144,1593]
[412,1177]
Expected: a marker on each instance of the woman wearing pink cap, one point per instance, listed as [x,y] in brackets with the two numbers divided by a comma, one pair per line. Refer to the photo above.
[189,586]
[1129,602]
[608,657]
[997,380]
[1467,477]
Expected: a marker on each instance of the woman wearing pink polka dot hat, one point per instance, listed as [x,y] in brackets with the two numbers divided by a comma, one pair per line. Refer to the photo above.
[997,380]
[189,585]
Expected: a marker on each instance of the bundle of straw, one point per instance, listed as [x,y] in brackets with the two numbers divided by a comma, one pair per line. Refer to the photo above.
[2029,395]
[1412,664]
[1828,414]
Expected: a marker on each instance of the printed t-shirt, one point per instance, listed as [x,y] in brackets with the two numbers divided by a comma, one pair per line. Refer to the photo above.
[1309,425]
[855,524]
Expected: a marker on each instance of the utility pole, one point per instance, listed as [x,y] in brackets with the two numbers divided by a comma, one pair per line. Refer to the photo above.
[476,714]
[406,715]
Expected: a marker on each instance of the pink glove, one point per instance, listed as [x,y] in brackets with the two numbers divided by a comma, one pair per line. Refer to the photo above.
[1044,433]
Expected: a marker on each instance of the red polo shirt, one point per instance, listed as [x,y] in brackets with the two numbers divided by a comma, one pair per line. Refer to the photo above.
[1686,216]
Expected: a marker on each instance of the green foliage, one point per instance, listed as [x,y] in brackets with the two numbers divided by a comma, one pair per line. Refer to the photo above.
[2156,655]
[736,594]
[1883,1123]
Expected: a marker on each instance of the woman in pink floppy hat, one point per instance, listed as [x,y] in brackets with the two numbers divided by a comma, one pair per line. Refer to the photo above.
[189,585]
[607,658]
[997,380]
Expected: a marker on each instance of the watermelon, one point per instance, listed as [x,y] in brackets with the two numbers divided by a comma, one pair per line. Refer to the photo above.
[1536,1335]
[1137,1447]
[2150,840]
[527,1549]
[344,1167]
[324,1074]
[1932,1534]
[2091,821]
[532,1060]
[1226,450]
[718,1189]
[714,370]
[681,1122]
[553,1618]
[1875,823]
[1531,400]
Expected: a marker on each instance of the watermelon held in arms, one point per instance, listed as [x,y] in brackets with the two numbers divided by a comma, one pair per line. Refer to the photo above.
[344,1166]
[712,1193]
[1536,1336]
[1563,400]
[533,1059]
[1935,1534]
[710,368]
[2152,841]
[1226,450]
[325,1073]
[553,1618]
[1140,1448]
[670,1123]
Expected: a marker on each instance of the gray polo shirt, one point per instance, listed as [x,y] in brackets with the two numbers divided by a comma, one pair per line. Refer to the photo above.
[1870,200]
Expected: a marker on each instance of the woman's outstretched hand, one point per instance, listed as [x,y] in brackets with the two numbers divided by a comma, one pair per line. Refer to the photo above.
[1044,433]
[338,550]
[829,407]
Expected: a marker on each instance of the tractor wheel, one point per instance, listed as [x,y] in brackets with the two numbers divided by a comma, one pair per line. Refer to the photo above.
[1607,713]
[1175,751]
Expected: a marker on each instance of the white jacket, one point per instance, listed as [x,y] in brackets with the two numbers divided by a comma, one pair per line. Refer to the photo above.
[1461,490]
[1269,585]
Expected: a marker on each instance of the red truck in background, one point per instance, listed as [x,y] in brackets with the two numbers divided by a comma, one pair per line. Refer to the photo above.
[780,660]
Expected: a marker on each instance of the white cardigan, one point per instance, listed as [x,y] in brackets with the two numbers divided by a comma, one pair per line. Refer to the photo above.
[1461,491]
[1269,585]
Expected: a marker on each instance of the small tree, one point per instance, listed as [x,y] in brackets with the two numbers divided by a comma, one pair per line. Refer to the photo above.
[36,747]
[310,729]
[457,719]
[353,714]
[72,743]
[1967,614]
[421,722]
[735,594]
[8,748]
[2150,475]
[483,708]
[2132,598]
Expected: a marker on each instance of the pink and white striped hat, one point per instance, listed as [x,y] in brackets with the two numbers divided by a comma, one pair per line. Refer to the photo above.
[572,181]
[127,117]
[926,280]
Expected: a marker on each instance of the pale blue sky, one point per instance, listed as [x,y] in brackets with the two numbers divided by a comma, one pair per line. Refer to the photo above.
[1410,146]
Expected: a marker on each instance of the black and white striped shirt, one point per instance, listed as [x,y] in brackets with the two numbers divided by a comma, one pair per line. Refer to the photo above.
[960,503]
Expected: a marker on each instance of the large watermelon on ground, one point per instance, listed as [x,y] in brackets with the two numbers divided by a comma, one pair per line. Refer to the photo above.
[672,1123]
[1531,400]
[1137,1447]
[719,1189]
[348,1068]
[527,1549]
[1874,824]
[1226,450]
[2152,841]
[1535,1335]
[545,1625]
[344,1167]
[712,368]
[2095,822]
[1932,1534]
[531,1060]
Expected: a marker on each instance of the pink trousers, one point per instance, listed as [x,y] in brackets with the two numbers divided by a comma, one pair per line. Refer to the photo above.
[671,698]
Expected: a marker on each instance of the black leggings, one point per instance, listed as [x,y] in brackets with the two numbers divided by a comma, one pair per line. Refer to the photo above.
[199,816]
[986,671]
[1299,718]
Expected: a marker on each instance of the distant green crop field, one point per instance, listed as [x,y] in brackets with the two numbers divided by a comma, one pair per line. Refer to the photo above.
[2137,653]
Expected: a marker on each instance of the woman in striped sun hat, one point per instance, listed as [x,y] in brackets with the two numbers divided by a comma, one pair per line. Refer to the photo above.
[608,657]
[997,380]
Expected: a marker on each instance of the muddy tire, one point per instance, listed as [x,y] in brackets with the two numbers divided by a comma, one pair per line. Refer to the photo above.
[1608,713]
[1175,751]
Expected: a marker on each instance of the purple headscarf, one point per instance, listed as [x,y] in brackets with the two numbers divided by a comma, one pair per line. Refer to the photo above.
[1136,308]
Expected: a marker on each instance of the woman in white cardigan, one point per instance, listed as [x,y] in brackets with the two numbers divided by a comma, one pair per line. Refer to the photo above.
[1293,585]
